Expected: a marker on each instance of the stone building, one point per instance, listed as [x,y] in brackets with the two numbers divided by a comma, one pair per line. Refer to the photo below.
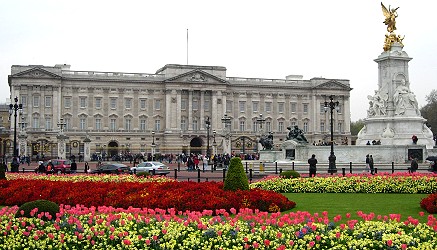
[168,111]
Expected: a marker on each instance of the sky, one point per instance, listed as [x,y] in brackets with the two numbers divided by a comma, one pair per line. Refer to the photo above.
[256,39]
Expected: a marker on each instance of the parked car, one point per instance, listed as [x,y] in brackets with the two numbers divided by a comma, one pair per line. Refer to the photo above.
[111,168]
[149,166]
[60,166]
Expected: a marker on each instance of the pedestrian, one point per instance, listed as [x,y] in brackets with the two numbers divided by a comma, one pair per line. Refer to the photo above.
[205,163]
[41,167]
[367,164]
[87,167]
[372,169]
[73,167]
[414,165]
[313,168]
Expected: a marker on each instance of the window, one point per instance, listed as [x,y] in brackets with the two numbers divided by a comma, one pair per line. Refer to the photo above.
[305,108]
[322,108]
[82,124]
[280,107]
[293,123]
[293,107]
[255,126]
[255,106]
[157,104]
[67,102]
[206,105]
[242,126]
[35,122]
[128,103]
[67,123]
[183,124]
[143,123]
[305,127]
[339,108]
[127,124]
[195,125]
[113,124]
[98,102]
[340,127]
[36,101]
[183,104]
[228,106]
[281,126]
[113,103]
[82,102]
[23,100]
[242,105]
[48,101]
[142,103]
[157,125]
[48,124]
[268,126]
[98,124]
[268,107]
[195,105]
[322,127]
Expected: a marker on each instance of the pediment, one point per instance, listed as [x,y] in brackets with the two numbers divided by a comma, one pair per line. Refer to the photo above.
[332,85]
[196,76]
[36,73]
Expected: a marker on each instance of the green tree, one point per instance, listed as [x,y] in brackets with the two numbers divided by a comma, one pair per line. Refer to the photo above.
[356,126]
[236,179]
[429,111]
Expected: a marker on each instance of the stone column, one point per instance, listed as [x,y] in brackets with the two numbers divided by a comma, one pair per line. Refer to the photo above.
[62,145]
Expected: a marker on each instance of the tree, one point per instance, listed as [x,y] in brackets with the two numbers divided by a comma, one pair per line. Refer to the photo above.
[429,111]
[356,126]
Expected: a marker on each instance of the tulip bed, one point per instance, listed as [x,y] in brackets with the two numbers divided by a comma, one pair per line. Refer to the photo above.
[79,227]
[365,183]
[157,226]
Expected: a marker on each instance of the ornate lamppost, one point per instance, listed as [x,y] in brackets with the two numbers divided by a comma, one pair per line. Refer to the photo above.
[260,120]
[208,126]
[61,139]
[153,145]
[331,105]
[23,137]
[14,109]
[226,120]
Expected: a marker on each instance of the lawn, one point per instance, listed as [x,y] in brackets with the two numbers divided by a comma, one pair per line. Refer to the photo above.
[342,203]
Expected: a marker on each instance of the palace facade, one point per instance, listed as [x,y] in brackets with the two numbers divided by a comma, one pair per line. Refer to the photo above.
[169,111]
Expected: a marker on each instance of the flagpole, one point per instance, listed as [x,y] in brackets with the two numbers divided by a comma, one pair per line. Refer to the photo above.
[187,46]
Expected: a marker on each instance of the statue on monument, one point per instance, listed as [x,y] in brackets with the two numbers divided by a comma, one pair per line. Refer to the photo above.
[377,103]
[267,141]
[390,20]
[296,134]
[403,98]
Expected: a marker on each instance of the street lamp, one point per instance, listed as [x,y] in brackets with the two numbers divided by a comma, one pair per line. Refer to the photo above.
[331,105]
[13,108]
[208,126]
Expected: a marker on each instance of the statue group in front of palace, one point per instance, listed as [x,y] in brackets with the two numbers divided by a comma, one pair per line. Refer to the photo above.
[295,134]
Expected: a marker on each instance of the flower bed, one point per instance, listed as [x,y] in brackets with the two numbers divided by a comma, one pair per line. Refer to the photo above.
[88,177]
[181,196]
[79,227]
[380,183]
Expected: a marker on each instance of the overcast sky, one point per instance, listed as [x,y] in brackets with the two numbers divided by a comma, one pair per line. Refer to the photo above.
[257,39]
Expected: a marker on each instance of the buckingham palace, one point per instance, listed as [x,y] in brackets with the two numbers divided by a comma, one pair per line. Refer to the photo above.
[178,109]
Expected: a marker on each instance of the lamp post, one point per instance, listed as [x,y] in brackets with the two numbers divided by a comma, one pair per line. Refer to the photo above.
[214,143]
[208,126]
[331,105]
[260,120]
[153,145]
[226,120]
[13,109]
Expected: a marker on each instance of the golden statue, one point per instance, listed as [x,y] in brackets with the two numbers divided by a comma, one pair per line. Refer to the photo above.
[390,17]
[390,21]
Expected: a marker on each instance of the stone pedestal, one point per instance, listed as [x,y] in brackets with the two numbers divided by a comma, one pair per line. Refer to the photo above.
[62,145]
[393,117]
[87,149]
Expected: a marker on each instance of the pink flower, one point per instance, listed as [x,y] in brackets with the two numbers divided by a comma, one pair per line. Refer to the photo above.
[291,242]
[127,242]
[267,242]
[147,242]
[311,244]
[389,243]
[318,237]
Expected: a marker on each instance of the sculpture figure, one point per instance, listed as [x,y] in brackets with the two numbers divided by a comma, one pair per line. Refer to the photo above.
[377,103]
[296,134]
[267,141]
[403,98]
[390,17]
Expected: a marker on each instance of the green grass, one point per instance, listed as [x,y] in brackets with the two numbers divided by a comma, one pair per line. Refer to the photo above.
[342,203]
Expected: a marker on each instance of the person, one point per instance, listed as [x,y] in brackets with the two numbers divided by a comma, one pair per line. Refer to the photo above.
[50,168]
[205,162]
[414,165]
[73,167]
[41,167]
[313,165]
[87,167]
[15,165]
[367,163]
[372,170]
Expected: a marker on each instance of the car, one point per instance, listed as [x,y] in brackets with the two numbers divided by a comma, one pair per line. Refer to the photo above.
[111,168]
[60,166]
[151,166]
